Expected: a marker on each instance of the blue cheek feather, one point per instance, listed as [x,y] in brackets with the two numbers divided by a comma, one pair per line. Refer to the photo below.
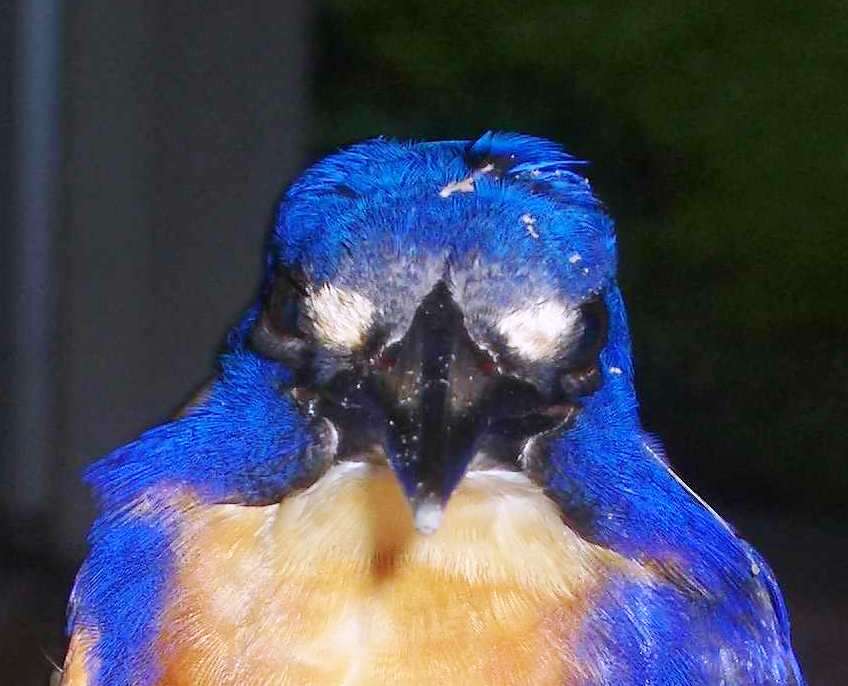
[241,444]
[710,612]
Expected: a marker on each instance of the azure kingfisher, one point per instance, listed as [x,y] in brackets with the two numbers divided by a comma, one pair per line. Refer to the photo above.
[420,461]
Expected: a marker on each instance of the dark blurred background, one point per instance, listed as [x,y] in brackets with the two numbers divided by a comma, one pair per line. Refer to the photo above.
[144,144]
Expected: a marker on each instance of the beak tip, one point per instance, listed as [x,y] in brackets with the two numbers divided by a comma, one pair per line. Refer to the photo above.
[428,516]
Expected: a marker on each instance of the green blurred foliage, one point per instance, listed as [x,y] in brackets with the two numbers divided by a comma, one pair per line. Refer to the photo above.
[718,135]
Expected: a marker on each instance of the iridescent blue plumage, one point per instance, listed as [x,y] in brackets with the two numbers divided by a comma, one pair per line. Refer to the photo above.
[243,444]
[711,613]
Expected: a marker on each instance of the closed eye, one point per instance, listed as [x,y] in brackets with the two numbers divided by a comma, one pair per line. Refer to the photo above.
[270,342]
[276,334]
[582,374]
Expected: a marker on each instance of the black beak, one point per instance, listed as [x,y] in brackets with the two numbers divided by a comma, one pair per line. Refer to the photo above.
[431,397]
[434,399]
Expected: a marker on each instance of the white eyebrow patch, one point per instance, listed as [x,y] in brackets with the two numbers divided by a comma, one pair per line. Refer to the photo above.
[537,332]
[338,317]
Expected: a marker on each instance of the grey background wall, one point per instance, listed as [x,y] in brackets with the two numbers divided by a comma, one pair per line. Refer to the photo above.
[149,141]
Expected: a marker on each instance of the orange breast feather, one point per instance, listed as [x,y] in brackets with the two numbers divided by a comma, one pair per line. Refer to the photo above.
[335,586]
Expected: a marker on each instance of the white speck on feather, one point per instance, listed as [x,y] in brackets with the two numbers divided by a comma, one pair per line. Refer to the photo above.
[615,370]
[465,185]
[529,222]
[575,257]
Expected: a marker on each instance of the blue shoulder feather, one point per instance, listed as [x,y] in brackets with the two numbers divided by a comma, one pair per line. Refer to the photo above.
[240,444]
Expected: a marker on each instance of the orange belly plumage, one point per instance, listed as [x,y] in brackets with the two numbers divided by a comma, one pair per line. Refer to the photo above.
[335,586]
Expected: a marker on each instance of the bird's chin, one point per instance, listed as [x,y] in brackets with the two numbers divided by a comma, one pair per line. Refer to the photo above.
[527,459]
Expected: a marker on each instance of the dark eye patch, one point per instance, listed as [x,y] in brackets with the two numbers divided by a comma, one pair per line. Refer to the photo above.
[581,374]
[284,302]
[276,334]
[269,342]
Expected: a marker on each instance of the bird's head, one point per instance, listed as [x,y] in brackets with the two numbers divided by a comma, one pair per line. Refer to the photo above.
[444,307]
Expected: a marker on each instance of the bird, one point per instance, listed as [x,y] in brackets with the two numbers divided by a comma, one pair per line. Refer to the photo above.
[420,460]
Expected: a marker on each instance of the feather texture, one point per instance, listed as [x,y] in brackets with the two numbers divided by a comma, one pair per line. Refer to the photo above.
[210,564]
